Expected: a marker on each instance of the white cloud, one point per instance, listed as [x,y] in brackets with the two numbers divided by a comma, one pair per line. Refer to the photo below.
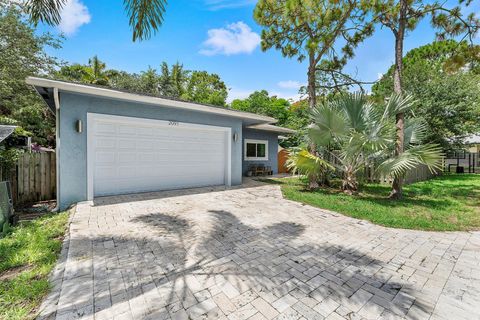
[74,15]
[379,75]
[290,84]
[227,4]
[235,38]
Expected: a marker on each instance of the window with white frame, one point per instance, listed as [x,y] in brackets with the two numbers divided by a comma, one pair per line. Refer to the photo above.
[256,149]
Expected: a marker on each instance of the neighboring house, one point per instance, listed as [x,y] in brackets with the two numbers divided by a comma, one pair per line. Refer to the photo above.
[115,142]
[5,132]
[466,159]
[473,143]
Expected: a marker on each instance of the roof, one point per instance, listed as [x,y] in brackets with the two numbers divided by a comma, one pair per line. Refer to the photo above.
[472,139]
[272,128]
[6,131]
[42,85]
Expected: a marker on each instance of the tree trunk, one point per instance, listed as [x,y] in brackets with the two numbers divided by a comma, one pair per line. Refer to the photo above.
[397,88]
[312,95]
[312,102]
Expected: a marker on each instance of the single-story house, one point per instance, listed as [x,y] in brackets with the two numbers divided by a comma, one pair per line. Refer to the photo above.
[113,142]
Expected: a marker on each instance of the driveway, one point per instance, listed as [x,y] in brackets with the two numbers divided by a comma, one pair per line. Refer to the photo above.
[249,254]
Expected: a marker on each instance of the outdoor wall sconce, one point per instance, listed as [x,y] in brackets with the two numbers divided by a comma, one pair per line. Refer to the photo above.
[235,137]
[79,126]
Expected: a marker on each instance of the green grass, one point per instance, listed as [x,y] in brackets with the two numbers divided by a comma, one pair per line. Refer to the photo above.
[449,202]
[27,255]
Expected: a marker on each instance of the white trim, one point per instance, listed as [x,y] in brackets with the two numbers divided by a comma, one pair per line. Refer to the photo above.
[56,100]
[265,142]
[92,117]
[271,128]
[115,94]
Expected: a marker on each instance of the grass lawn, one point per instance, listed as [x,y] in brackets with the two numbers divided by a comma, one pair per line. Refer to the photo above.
[27,255]
[449,202]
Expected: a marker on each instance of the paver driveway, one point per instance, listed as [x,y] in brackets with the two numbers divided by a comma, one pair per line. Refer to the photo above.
[249,254]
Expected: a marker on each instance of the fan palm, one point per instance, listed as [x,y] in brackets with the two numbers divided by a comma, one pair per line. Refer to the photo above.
[363,135]
[303,162]
[145,16]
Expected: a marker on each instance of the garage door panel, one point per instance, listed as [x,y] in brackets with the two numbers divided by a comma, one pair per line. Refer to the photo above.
[105,157]
[130,156]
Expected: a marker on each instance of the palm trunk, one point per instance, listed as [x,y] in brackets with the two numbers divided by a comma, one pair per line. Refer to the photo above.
[312,102]
[397,87]
[349,183]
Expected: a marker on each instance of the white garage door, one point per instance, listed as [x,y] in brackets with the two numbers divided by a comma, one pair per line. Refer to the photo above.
[128,155]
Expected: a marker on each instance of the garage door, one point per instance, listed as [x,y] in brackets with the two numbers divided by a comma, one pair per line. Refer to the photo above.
[128,155]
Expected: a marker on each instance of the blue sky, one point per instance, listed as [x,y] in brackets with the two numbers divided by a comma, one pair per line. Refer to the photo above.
[219,36]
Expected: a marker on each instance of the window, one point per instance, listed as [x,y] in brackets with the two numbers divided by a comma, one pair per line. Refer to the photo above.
[256,149]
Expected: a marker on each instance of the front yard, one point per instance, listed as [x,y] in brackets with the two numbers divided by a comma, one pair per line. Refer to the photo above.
[449,202]
[27,255]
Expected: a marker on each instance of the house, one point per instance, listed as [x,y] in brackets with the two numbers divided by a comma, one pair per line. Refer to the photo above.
[5,132]
[112,142]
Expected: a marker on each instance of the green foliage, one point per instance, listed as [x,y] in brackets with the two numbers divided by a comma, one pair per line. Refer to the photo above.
[22,54]
[203,87]
[172,82]
[145,16]
[353,134]
[300,161]
[443,78]
[323,32]
[261,102]
[448,202]
[30,251]
[294,116]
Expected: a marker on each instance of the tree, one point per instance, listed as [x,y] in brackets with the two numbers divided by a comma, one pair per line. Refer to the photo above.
[403,16]
[22,54]
[93,73]
[145,16]
[173,80]
[309,29]
[354,134]
[204,87]
[443,78]
[261,102]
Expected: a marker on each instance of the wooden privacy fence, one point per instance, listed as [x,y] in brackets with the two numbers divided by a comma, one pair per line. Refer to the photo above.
[420,173]
[33,178]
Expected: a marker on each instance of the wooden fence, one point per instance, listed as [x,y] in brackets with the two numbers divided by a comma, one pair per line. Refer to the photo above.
[420,173]
[33,178]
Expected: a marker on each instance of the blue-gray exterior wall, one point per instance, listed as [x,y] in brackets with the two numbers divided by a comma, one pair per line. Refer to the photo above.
[272,139]
[73,145]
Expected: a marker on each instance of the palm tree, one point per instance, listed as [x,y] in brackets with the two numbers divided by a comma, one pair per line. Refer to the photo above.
[145,16]
[301,161]
[95,72]
[354,134]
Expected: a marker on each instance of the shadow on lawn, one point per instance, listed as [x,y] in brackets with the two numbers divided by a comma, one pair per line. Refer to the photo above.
[178,259]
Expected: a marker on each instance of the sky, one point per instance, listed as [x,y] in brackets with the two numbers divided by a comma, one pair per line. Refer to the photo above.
[219,36]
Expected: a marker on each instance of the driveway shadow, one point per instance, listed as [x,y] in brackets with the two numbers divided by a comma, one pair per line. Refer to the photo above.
[179,264]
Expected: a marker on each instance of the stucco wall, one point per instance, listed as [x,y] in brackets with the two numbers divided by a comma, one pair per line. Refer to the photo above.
[73,145]
[272,139]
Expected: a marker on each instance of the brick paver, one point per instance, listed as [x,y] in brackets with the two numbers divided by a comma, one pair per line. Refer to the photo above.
[249,254]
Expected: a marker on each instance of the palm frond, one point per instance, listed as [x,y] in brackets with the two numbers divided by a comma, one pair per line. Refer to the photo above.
[398,104]
[428,154]
[303,162]
[415,131]
[47,11]
[354,106]
[329,124]
[145,16]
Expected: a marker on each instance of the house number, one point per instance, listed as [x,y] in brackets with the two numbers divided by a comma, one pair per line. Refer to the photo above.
[173,123]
